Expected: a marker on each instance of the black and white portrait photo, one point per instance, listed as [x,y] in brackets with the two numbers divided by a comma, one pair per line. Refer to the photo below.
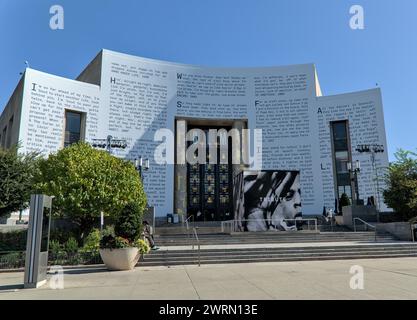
[268,200]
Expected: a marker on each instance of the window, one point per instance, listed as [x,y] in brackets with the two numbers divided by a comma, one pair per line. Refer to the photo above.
[3,137]
[341,156]
[9,136]
[73,127]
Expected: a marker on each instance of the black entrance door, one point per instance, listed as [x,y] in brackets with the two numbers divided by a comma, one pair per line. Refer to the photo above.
[209,187]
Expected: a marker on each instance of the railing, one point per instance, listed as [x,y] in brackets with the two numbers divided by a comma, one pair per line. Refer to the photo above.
[228,225]
[198,245]
[187,225]
[16,259]
[308,222]
[413,226]
[236,225]
[366,224]
[12,259]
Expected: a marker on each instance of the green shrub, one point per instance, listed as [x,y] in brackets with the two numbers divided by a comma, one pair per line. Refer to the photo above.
[114,242]
[54,247]
[129,222]
[71,246]
[92,241]
[12,260]
[344,201]
[13,240]
[143,246]
[62,235]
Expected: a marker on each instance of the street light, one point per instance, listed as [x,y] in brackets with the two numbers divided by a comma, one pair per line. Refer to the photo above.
[373,149]
[140,167]
[355,169]
[109,143]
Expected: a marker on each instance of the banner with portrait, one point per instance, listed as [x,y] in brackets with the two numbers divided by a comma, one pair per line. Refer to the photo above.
[267,200]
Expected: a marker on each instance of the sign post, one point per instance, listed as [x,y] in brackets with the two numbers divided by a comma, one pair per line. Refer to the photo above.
[36,262]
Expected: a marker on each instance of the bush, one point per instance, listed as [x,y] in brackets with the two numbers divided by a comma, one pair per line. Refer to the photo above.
[143,246]
[54,247]
[127,228]
[114,242]
[13,240]
[12,260]
[92,241]
[343,202]
[62,235]
[71,246]
[129,223]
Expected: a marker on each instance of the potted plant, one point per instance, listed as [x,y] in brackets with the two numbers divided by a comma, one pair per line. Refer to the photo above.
[121,246]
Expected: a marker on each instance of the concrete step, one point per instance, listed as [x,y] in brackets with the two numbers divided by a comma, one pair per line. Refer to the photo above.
[234,255]
[269,234]
[276,259]
[224,239]
[252,250]
[189,243]
[182,230]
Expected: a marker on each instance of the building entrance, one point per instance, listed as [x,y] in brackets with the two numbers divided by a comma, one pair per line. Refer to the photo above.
[209,185]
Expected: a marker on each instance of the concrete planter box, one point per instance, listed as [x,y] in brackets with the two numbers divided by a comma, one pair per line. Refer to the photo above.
[120,259]
[400,230]
[366,213]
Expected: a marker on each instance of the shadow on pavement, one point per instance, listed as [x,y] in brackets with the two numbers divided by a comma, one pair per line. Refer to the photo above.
[84,271]
[11,287]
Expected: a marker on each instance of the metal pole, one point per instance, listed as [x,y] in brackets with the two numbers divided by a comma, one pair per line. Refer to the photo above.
[352,185]
[109,139]
[376,188]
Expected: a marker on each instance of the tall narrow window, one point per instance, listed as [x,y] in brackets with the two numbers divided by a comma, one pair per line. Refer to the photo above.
[341,156]
[9,134]
[73,127]
[3,137]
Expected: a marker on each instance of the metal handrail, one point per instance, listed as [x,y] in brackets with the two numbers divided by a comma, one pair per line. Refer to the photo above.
[237,222]
[198,245]
[229,223]
[308,222]
[365,223]
[187,224]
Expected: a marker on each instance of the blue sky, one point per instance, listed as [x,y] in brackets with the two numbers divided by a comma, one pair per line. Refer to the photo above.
[229,33]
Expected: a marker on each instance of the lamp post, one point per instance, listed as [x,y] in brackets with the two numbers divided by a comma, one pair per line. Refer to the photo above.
[373,149]
[109,143]
[140,166]
[353,176]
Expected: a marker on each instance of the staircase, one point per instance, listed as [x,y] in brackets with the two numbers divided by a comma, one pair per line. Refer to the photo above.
[278,254]
[269,237]
[218,248]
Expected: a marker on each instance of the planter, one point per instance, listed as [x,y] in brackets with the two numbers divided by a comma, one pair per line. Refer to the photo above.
[120,259]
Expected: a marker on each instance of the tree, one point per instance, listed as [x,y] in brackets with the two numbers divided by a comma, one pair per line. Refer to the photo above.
[343,202]
[401,181]
[16,179]
[86,181]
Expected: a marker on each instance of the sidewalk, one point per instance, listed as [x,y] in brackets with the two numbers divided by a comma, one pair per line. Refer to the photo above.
[384,279]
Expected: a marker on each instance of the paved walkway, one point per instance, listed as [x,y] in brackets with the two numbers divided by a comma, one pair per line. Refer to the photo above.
[383,279]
